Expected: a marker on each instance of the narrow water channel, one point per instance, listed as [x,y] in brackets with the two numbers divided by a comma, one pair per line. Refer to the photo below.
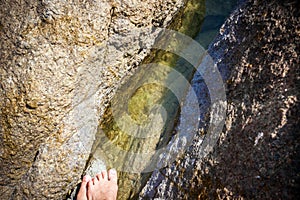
[201,20]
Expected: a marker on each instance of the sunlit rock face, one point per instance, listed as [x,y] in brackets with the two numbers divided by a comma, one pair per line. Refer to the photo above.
[257,156]
[61,62]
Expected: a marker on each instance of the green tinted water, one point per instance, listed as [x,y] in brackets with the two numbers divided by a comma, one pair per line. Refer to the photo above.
[200,20]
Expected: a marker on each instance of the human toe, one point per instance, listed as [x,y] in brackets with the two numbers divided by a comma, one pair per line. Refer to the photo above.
[112,175]
[104,175]
[82,194]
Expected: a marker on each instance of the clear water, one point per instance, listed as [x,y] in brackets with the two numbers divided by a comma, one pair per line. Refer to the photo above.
[216,11]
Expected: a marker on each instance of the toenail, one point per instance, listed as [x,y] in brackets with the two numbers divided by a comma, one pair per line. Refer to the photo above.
[113,171]
[86,178]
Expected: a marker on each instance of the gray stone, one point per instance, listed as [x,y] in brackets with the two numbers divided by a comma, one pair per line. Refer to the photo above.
[257,53]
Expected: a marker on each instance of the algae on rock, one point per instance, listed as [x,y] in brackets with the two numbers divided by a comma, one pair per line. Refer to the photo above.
[142,99]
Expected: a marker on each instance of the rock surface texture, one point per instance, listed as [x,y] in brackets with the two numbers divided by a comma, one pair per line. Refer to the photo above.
[61,62]
[257,156]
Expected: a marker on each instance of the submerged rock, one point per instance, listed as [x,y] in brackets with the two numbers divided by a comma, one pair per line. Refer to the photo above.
[257,155]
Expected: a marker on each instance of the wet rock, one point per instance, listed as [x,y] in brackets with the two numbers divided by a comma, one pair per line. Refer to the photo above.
[257,54]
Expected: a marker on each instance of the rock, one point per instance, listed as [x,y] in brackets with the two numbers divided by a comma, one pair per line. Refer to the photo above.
[257,54]
[61,63]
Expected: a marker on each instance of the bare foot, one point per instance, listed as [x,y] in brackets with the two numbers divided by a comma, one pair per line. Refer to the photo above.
[103,186]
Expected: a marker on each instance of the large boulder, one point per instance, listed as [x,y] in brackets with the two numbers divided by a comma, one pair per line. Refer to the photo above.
[257,155]
[61,62]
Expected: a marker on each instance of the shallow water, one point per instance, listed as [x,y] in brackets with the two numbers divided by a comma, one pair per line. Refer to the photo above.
[146,101]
